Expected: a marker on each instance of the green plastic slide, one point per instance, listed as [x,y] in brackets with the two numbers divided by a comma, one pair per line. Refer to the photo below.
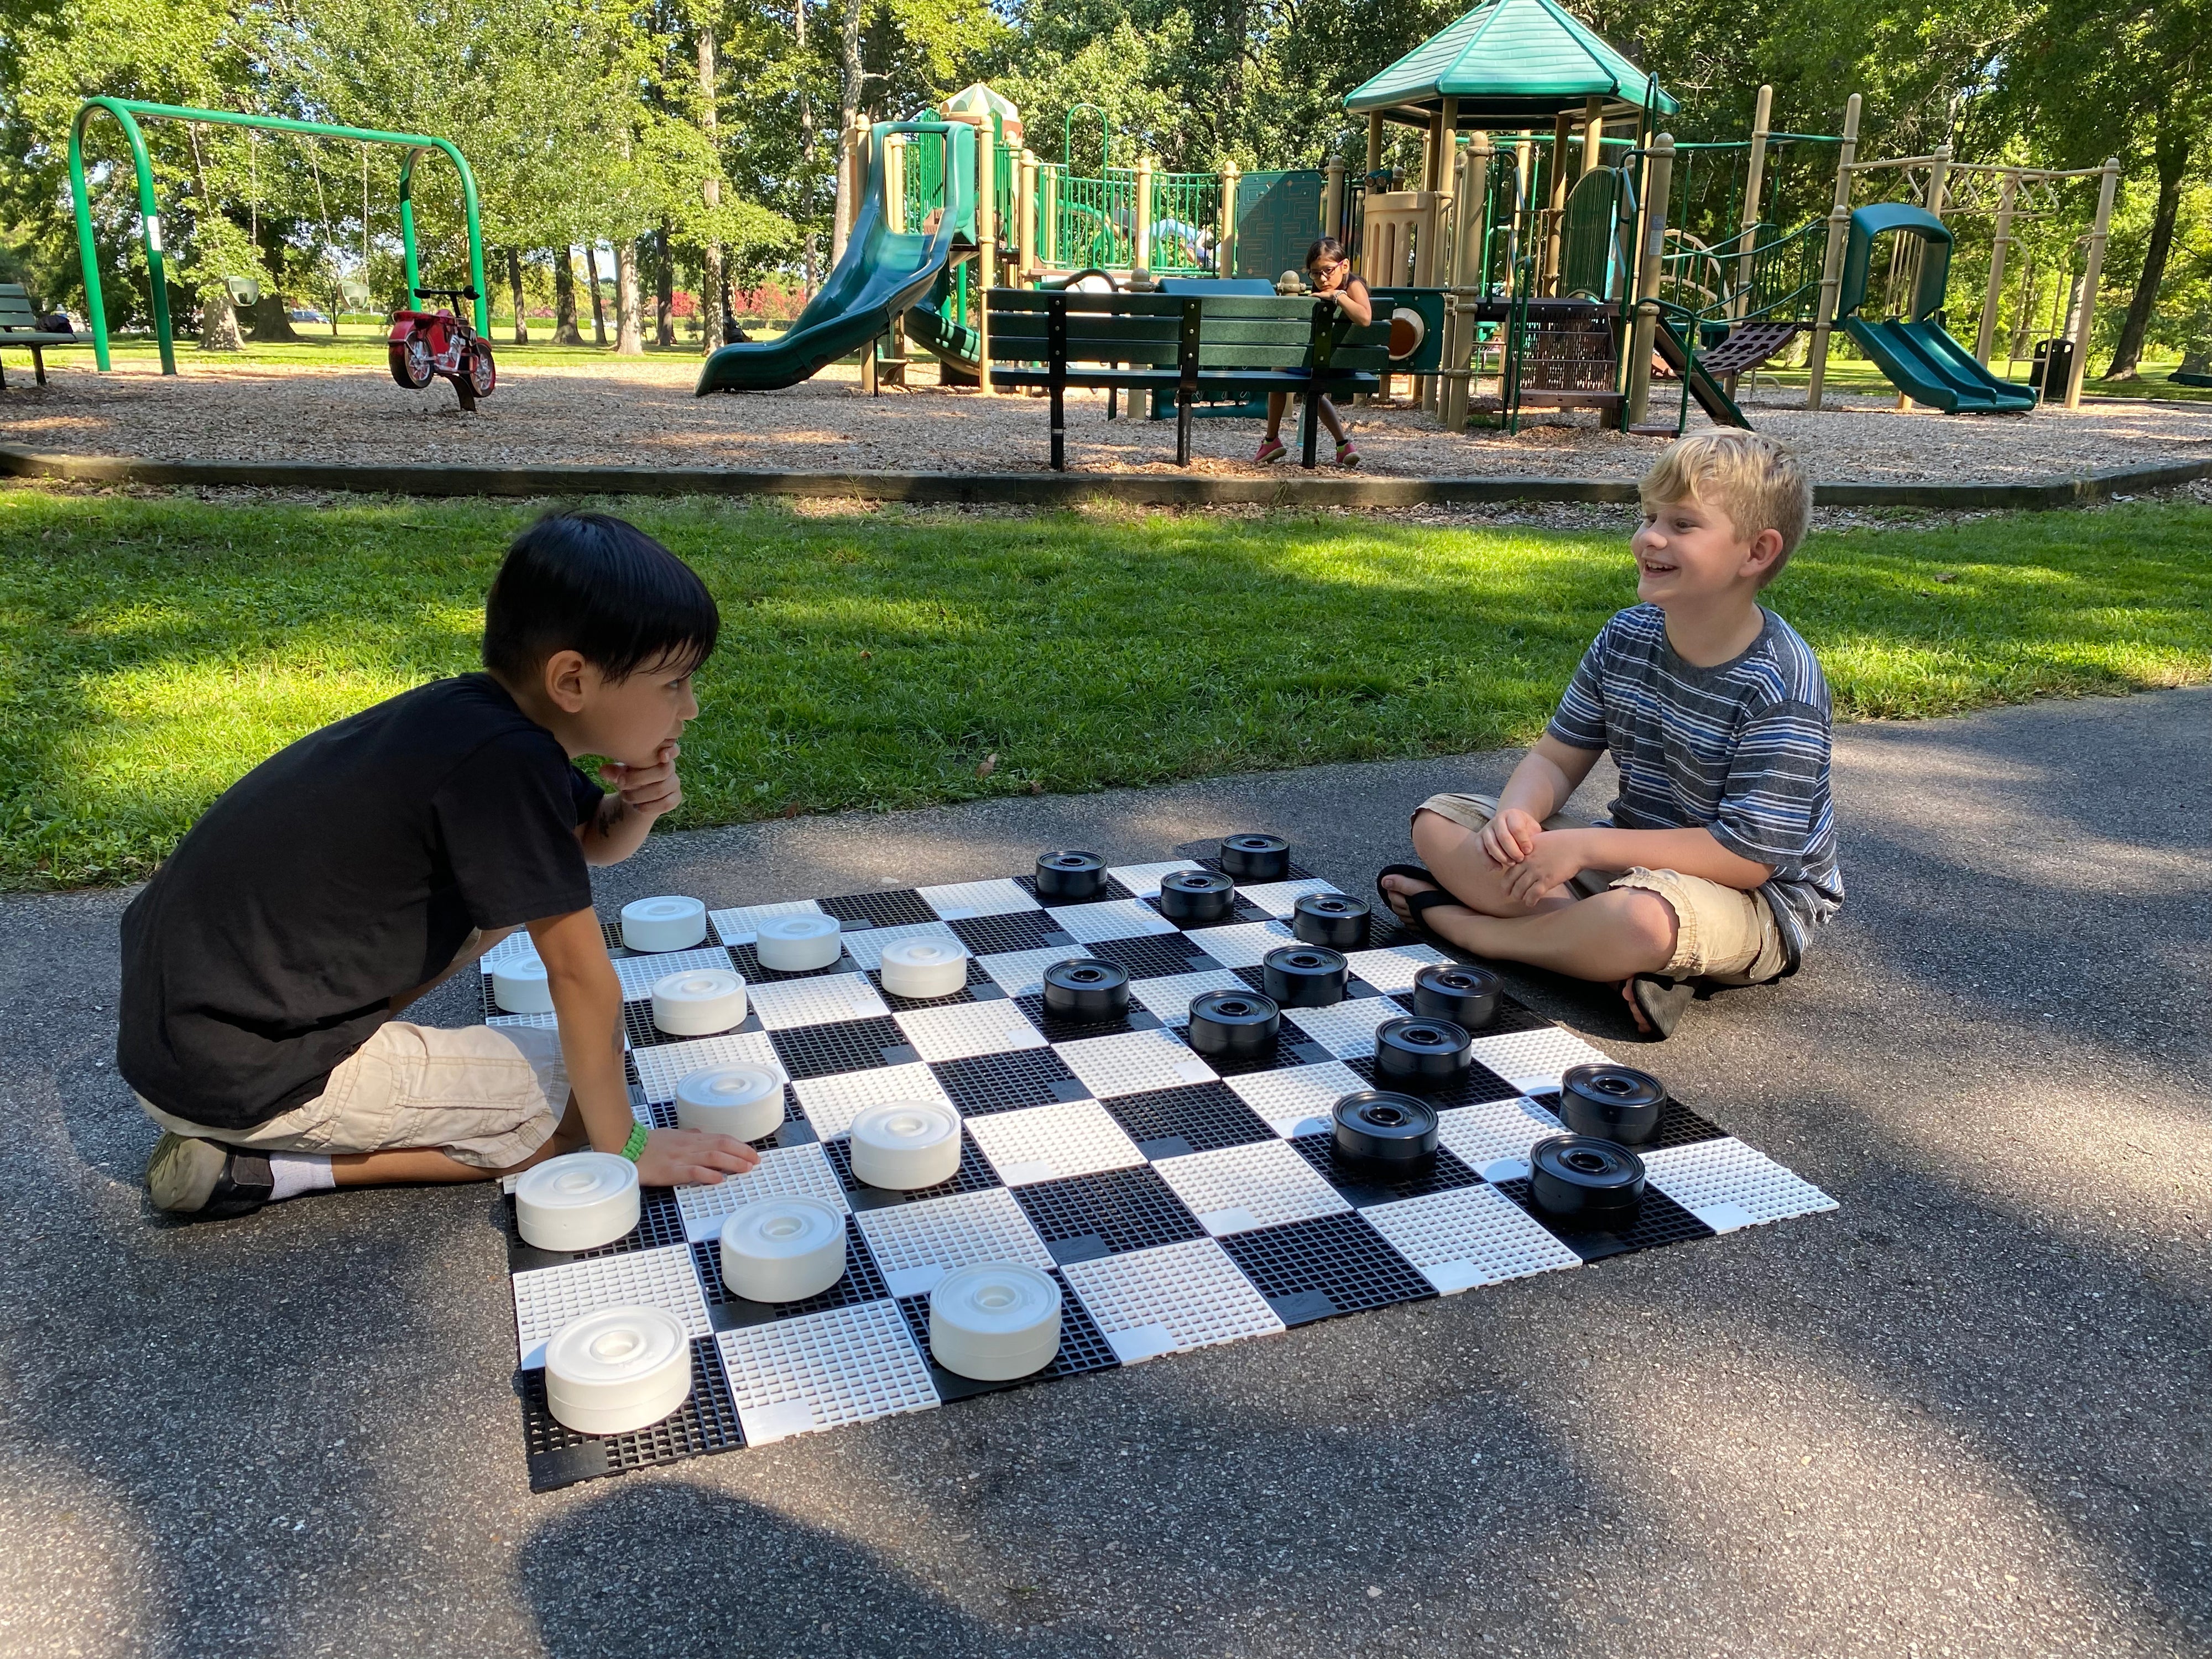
[1926,364]
[883,273]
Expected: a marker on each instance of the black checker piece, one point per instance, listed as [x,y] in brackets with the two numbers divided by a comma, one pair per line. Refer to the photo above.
[727,1310]
[1020,930]
[1151,956]
[1199,1117]
[1112,890]
[559,1456]
[1083,1347]
[974,1175]
[1332,1264]
[983,1084]
[1110,1213]
[1480,1084]
[1293,1047]
[1678,1125]
[843,1045]
[1068,1030]
[894,907]
[1357,1187]
[1660,1221]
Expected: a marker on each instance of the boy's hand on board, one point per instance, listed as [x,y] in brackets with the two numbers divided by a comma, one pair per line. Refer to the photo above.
[692,1158]
[650,790]
[1510,837]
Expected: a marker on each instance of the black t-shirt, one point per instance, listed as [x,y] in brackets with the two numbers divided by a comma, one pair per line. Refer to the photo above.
[339,872]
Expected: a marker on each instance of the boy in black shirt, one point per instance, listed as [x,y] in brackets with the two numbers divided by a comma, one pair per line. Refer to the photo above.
[265,964]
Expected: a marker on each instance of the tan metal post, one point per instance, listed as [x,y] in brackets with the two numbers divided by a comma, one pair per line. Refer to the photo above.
[2092,273]
[1374,141]
[1025,216]
[1224,246]
[1140,225]
[1651,249]
[1754,180]
[841,214]
[895,182]
[1469,190]
[1051,203]
[2000,240]
[1939,172]
[1332,199]
[987,255]
[1562,126]
[1832,263]
[1592,134]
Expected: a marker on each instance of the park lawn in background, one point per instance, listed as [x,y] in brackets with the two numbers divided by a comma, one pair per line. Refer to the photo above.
[152,649]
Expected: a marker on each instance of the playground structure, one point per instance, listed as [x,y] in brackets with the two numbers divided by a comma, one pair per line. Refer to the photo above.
[127,113]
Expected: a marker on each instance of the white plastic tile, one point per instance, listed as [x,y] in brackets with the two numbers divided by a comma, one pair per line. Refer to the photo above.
[866,947]
[1279,899]
[1110,919]
[1346,1029]
[1242,943]
[517,946]
[1169,997]
[542,1022]
[1050,1143]
[965,1029]
[1393,967]
[784,1004]
[1133,1062]
[546,1298]
[804,1170]
[916,1244]
[1727,1185]
[977,898]
[1467,1237]
[822,1370]
[1144,879]
[832,1103]
[1534,1060]
[661,1066]
[639,974]
[1238,1189]
[1298,1099]
[742,925]
[1021,973]
[1493,1139]
[1170,1299]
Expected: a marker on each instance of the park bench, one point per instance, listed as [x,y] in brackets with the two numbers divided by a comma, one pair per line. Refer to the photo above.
[1182,346]
[19,326]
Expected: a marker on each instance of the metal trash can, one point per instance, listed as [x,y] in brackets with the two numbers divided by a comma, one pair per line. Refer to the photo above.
[2054,368]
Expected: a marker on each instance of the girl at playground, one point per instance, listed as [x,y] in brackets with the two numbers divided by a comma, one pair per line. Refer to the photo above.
[1331,277]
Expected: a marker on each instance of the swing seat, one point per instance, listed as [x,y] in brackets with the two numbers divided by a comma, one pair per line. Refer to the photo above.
[354,296]
[244,291]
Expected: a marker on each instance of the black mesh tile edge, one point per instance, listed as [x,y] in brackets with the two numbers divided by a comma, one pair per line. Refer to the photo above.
[983,1084]
[979,987]
[1360,1189]
[1149,956]
[660,1221]
[894,906]
[843,1045]
[1329,1264]
[1480,1084]
[1660,1221]
[794,1131]
[1139,1018]
[974,1175]
[1083,1348]
[705,1423]
[1203,1117]
[1678,1125]
[1081,1218]
[749,963]
[1112,890]
[1293,1047]
[1016,930]
[863,1282]
[637,1023]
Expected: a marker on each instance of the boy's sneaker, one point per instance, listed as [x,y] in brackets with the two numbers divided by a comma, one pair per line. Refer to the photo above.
[1272,450]
[206,1179]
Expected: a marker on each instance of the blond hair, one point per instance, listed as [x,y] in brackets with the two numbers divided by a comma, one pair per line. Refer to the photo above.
[1759,483]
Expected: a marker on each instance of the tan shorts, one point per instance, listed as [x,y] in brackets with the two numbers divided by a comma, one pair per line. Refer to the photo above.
[484,1097]
[1720,934]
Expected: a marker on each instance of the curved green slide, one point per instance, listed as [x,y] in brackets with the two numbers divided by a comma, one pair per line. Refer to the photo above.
[884,272]
[1918,356]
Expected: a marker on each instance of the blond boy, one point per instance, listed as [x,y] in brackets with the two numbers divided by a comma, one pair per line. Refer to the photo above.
[1717,861]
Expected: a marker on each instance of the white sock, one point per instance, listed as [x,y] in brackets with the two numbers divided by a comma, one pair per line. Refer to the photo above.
[296,1173]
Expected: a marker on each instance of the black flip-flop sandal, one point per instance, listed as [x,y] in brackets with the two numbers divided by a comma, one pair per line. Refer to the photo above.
[1416,903]
[1662,1001]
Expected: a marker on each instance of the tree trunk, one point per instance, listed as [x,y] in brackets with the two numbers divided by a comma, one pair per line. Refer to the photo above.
[714,303]
[629,308]
[218,322]
[565,331]
[2175,140]
[599,301]
[521,306]
[851,79]
[664,296]
[806,149]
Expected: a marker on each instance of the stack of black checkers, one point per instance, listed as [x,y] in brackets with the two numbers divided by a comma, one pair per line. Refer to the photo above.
[1588,1178]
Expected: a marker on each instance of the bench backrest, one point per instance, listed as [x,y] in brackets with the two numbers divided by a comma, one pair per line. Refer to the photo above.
[16,306]
[1143,330]
[1147,330]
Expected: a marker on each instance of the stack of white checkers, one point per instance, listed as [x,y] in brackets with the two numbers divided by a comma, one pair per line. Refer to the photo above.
[1151,1201]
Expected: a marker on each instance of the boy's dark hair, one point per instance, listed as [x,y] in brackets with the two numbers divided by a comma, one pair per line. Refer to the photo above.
[592,584]
[1327,245]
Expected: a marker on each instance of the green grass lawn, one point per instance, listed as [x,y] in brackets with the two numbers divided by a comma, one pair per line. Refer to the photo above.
[360,345]
[1857,375]
[153,649]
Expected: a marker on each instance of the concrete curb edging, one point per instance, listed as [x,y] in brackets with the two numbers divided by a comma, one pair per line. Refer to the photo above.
[1031,489]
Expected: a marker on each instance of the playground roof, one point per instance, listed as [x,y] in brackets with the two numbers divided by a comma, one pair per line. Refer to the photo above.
[1511,63]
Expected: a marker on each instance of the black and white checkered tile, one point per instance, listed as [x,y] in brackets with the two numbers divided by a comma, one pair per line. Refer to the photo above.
[1178,1207]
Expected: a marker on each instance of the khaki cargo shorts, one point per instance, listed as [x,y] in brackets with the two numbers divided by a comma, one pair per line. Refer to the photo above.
[485,1097]
[1720,934]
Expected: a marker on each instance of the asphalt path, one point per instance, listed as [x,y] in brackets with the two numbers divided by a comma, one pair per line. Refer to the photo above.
[1965,1414]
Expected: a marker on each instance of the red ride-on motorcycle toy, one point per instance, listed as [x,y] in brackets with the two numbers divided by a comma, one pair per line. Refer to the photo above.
[424,344]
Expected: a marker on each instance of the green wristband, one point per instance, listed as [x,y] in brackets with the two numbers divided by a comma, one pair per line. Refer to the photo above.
[634,1145]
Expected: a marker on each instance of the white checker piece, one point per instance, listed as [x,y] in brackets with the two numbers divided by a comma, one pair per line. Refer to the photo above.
[832,1103]
[1021,973]
[1469,1237]
[1280,898]
[547,1299]
[963,899]
[1493,1139]
[1170,1299]
[1727,1185]
[822,1370]
[1531,1060]
[1144,879]
[1393,969]
[782,1169]
[785,1004]
[1297,1099]
[1346,1029]
[967,1029]
[665,1064]
[1168,996]
[1110,919]
[639,974]
[1235,1190]
[1243,944]
[1133,1062]
[917,1244]
[866,947]
[1050,1143]
[742,926]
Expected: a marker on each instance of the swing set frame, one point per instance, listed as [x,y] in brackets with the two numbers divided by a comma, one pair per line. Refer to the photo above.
[127,113]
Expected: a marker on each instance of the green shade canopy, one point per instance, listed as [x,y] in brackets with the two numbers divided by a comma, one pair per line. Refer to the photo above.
[1511,63]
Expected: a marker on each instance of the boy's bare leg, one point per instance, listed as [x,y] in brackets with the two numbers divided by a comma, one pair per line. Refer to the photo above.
[474,947]
[411,1166]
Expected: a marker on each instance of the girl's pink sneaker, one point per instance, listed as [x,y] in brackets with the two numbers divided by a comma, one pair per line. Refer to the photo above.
[1271,450]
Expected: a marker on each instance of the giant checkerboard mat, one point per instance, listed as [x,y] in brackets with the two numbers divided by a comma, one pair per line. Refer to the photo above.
[1178,1205]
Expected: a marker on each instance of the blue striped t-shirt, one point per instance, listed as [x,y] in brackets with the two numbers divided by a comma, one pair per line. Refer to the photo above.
[1739,749]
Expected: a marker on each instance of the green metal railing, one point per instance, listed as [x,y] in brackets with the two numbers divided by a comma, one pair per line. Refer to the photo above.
[1186,222]
[921,178]
[1082,221]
